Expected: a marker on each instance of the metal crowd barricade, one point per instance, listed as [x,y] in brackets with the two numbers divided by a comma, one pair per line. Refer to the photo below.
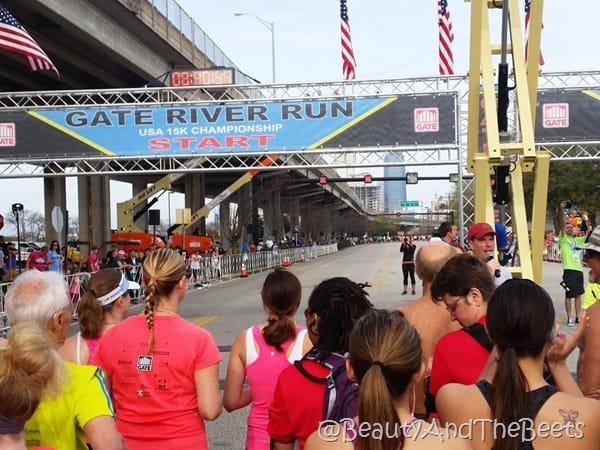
[552,252]
[77,283]
[226,267]
[3,319]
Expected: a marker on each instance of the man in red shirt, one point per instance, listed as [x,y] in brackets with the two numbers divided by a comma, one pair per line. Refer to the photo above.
[464,285]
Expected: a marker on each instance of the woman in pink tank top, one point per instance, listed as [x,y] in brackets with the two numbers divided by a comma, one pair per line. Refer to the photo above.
[104,304]
[261,352]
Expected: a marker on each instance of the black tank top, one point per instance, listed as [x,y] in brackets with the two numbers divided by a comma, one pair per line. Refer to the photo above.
[535,400]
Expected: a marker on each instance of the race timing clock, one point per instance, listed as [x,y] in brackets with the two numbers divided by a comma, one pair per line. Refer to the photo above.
[201,77]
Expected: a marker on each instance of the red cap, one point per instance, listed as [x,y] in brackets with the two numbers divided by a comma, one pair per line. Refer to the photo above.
[479,230]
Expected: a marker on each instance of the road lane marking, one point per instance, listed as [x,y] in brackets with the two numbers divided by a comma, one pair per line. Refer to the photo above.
[203,320]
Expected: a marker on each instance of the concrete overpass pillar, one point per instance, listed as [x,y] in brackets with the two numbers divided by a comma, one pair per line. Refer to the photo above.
[325,223]
[272,212]
[308,230]
[195,192]
[245,211]
[94,209]
[224,220]
[55,194]
[295,220]
[253,235]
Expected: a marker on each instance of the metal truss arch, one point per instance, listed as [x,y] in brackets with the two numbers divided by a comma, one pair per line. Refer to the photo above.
[417,155]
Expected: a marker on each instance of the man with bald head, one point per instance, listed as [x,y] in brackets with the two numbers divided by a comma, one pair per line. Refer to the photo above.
[430,319]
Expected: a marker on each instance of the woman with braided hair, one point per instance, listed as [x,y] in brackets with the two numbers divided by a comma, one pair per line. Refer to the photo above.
[297,408]
[163,370]
[262,351]
[104,304]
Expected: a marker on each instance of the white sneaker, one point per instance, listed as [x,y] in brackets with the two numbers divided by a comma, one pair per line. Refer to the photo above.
[571,322]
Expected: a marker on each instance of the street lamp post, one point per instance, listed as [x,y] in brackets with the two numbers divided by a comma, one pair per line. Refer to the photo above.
[271,27]
[17,208]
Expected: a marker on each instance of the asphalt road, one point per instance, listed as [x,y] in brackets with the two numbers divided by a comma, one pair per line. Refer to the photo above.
[228,307]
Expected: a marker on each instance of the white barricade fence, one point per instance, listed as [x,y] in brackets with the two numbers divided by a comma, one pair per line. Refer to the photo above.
[552,252]
[212,269]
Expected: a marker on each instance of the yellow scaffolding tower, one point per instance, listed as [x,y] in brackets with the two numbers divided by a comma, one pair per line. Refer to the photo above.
[481,159]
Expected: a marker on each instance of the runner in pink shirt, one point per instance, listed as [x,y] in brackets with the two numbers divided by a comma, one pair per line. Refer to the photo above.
[163,370]
[262,351]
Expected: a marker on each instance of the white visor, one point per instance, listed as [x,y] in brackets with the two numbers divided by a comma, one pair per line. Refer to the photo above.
[117,292]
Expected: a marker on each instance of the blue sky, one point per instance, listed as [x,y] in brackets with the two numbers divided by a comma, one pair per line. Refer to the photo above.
[391,39]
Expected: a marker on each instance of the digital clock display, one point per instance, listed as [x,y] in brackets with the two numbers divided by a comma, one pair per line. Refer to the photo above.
[201,77]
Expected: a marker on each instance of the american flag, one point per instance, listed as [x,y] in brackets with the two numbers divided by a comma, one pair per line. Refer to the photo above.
[14,38]
[527,14]
[348,62]
[446,36]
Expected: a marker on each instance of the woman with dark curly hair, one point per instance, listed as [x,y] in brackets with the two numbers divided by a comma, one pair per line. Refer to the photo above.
[297,408]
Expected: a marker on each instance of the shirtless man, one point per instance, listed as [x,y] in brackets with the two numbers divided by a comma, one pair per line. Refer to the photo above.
[430,319]
[588,365]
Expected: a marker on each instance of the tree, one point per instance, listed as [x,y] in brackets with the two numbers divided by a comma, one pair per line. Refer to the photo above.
[236,227]
[578,182]
[31,223]
[212,229]
[383,225]
[73,232]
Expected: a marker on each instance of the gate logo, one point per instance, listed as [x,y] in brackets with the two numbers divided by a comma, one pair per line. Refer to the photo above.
[7,135]
[427,120]
[144,363]
[556,115]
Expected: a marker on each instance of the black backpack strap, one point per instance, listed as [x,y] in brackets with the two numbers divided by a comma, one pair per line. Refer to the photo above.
[307,374]
[477,332]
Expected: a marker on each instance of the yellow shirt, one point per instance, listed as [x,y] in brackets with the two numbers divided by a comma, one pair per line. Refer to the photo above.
[58,422]
[591,296]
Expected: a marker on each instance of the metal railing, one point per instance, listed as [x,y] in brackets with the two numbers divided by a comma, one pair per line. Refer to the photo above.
[552,252]
[180,30]
[212,271]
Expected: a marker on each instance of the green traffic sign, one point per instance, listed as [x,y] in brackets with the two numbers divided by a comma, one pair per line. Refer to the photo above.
[409,203]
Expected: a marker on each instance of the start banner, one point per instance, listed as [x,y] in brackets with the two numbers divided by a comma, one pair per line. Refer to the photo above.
[230,127]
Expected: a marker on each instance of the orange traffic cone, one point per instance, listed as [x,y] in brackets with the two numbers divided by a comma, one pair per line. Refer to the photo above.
[302,258]
[286,262]
[243,273]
